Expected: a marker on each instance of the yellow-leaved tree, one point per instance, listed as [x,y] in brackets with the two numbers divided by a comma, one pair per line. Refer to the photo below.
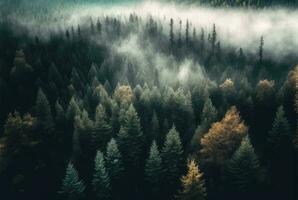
[223,138]
[193,184]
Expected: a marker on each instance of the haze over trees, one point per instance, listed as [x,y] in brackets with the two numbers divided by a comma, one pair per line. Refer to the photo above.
[142,107]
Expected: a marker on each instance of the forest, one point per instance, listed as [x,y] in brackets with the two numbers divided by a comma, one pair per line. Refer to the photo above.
[148,100]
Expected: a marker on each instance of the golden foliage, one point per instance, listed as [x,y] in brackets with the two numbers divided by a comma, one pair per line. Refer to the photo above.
[265,88]
[223,138]
[123,93]
[193,183]
[227,85]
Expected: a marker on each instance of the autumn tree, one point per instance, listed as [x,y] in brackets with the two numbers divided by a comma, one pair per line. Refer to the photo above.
[193,184]
[223,138]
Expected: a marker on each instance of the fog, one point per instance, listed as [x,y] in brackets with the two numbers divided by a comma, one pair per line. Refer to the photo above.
[235,27]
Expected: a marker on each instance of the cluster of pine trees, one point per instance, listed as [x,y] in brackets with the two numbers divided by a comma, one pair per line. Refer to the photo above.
[75,126]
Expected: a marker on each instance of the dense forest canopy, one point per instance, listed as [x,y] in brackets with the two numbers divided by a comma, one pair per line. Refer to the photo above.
[148,100]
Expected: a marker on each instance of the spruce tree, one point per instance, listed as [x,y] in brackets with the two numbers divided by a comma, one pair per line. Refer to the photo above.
[209,113]
[43,110]
[72,110]
[60,113]
[193,184]
[101,180]
[153,171]
[242,173]
[72,188]
[280,135]
[171,33]
[102,132]
[131,137]
[187,33]
[171,158]
[114,163]
[261,50]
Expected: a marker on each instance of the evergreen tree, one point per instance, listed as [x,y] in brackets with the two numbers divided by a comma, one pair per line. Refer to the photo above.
[193,184]
[102,132]
[60,113]
[261,50]
[114,163]
[131,138]
[171,32]
[43,110]
[180,35]
[187,33]
[242,173]
[280,135]
[171,159]
[213,39]
[101,180]
[153,171]
[209,113]
[72,188]
[72,110]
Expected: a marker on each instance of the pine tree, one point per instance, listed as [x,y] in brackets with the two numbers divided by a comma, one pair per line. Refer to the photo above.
[72,110]
[102,132]
[213,39]
[101,180]
[193,184]
[261,50]
[242,173]
[280,135]
[60,113]
[114,163]
[202,40]
[131,137]
[171,32]
[187,33]
[153,171]
[180,35]
[72,188]
[171,159]
[43,110]
[209,113]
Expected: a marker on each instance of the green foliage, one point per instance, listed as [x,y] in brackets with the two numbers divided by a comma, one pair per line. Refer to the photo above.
[131,137]
[43,110]
[242,173]
[101,180]
[171,158]
[280,135]
[114,163]
[153,171]
[72,188]
[102,131]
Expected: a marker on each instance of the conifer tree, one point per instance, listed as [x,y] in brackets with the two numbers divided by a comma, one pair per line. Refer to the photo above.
[193,184]
[213,39]
[131,137]
[101,180]
[102,132]
[187,33]
[261,50]
[280,135]
[72,110]
[60,113]
[43,110]
[180,35]
[223,138]
[114,163]
[153,171]
[242,173]
[209,113]
[171,32]
[171,158]
[72,188]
